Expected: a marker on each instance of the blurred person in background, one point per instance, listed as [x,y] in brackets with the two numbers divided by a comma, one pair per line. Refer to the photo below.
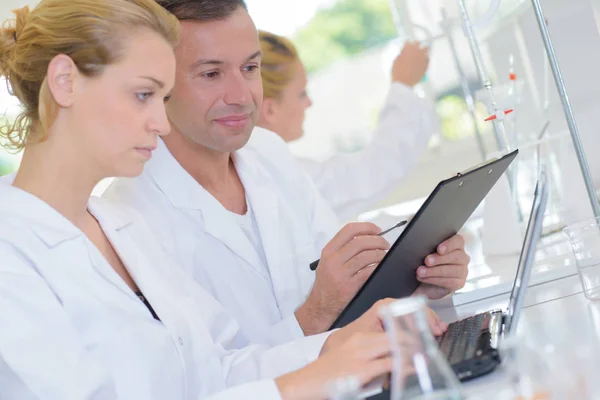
[351,183]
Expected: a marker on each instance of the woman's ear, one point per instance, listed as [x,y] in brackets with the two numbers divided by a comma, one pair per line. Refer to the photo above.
[268,112]
[62,73]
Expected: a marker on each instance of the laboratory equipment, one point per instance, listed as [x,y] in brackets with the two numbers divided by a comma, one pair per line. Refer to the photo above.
[567,108]
[585,243]
[420,371]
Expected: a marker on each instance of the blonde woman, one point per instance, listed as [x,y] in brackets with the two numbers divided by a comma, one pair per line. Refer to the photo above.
[351,183]
[90,306]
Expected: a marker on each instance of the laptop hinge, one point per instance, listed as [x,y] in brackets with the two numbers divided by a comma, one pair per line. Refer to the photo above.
[495,327]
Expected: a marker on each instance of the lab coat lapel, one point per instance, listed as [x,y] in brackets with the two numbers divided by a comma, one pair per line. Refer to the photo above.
[147,277]
[221,224]
[105,270]
[264,200]
[186,194]
[54,229]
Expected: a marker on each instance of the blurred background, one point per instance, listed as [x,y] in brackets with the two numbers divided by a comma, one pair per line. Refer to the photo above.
[348,47]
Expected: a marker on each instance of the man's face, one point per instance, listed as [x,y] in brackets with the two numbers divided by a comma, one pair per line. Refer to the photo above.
[218,87]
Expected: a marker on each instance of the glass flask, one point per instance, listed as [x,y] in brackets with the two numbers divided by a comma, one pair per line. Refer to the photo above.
[420,371]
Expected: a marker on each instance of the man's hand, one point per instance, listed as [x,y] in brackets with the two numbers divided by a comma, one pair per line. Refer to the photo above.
[445,271]
[411,65]
[371,322]
[346,263]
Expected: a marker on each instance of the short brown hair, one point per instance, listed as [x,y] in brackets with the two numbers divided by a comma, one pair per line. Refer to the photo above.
[202,10]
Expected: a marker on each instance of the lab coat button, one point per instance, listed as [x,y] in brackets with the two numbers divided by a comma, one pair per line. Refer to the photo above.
[180,341]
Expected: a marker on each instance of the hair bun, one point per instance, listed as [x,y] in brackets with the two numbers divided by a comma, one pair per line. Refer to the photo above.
[20,20]
[9,36]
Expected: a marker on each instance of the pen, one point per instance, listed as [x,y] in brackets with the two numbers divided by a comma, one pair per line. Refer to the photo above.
[315,264]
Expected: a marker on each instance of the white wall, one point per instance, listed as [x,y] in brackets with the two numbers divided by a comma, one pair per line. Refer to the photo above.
[7,5]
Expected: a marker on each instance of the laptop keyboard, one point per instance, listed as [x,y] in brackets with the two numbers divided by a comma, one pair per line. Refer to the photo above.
[461,341]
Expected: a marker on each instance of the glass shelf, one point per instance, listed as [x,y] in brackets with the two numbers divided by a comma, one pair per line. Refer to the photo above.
[417,17]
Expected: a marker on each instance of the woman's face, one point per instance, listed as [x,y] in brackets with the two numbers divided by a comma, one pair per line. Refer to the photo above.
[118,116]
[287,112]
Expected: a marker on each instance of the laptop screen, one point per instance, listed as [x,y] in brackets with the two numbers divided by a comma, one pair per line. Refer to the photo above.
[532,236]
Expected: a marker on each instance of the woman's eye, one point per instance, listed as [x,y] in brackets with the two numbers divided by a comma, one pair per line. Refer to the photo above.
[143,96]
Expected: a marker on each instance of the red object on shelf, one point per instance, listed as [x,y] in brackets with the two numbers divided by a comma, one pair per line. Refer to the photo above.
[494,117]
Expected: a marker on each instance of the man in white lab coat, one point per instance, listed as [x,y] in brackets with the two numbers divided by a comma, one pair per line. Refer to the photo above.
[236,210]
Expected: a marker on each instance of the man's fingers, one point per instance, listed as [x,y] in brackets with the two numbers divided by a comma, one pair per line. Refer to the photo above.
[364,259]
[456,257]
[454,271]
[349,232]
[360,245]
[456,242]
[361,276]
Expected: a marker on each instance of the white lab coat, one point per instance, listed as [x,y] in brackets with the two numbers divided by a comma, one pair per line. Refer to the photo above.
[353,182]
[203,237]
[70,328]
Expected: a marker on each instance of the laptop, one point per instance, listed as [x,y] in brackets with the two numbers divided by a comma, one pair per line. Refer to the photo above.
[471,345]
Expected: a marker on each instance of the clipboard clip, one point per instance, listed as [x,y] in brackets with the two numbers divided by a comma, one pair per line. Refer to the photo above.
[465,172]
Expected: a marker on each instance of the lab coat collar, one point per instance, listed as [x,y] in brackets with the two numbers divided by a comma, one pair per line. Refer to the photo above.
[184,192]
[180,188]
[112,217]
[52,227]
[126,234]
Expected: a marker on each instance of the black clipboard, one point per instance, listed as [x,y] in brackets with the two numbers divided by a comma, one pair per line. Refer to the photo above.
[442,215]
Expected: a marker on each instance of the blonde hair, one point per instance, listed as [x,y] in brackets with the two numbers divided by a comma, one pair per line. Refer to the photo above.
[90,32]
[278,60]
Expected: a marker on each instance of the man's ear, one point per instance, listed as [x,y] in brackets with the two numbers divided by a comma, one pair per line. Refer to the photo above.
[62,73]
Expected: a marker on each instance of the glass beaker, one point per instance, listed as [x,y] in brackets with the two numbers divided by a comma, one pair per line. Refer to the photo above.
[585,243]
[525,369]
[537,372]
[420,371]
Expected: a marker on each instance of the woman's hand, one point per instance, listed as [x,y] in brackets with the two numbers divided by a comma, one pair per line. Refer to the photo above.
[371,322]
[364,356]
